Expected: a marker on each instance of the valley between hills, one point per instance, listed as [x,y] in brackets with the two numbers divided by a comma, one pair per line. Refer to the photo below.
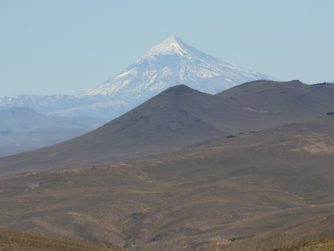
[250,168]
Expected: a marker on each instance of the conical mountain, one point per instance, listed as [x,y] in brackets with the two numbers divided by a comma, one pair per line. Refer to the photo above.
[174,62]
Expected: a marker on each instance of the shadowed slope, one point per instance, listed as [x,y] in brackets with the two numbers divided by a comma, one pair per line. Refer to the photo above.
[171,120]
[289,100]
[181,116]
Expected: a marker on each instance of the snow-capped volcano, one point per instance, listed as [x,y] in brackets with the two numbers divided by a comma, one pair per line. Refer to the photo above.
[170,63]
[174,62]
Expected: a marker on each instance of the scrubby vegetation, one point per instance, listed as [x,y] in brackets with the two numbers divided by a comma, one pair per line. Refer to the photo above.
[324,245]
[11,240]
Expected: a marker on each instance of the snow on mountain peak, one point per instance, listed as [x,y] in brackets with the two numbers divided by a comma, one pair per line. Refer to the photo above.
[171,45]
[173,62]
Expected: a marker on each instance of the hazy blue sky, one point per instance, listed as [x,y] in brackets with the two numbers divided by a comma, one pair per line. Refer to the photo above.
[69,46]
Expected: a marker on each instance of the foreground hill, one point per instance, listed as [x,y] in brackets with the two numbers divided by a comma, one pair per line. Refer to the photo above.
[166,122]
[179,117]
[251,190]
[23,129]
[287,100]
[11,240]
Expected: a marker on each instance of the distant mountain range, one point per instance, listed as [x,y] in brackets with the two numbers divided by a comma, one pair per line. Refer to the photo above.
[23,129]
[170,63]
[181,116]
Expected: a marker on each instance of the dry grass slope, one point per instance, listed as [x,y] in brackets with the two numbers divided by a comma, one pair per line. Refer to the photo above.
[325,245]
[11,240]
[263,185]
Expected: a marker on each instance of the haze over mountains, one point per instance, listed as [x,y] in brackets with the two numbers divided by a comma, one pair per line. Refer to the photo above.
[23,129]
[170,63]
